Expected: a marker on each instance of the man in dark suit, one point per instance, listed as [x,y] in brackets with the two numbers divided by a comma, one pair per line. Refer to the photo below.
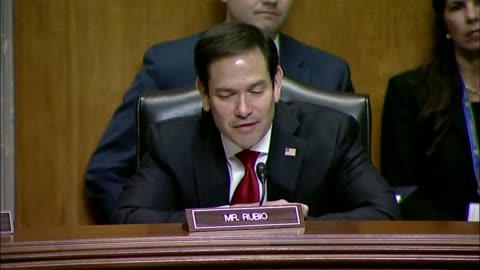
[313,154]
[170,65]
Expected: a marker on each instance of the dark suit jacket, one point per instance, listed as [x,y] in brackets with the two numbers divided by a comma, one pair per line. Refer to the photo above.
[170,65]
[185,167]
[446,182]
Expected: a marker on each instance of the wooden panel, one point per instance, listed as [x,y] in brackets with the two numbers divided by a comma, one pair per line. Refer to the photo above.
[43,111]
[378,38]
[75,59]
[323,245]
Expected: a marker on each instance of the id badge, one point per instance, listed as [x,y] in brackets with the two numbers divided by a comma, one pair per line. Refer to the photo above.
[473,212]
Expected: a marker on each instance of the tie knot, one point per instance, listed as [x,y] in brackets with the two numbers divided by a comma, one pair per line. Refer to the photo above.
[248,158]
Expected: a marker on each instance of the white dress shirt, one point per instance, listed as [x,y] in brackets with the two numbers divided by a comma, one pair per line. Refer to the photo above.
[236,169]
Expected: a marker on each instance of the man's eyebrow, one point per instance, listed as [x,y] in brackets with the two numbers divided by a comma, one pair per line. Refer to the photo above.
[260,82]
[224,89]
[249,87]
[257,83]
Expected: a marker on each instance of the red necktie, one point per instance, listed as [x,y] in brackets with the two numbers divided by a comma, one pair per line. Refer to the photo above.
[247,189]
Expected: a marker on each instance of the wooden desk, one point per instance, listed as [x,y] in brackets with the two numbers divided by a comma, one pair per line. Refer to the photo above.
[322,245]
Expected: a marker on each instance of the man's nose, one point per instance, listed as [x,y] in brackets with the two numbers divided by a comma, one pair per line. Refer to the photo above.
[243,108]
[269,2]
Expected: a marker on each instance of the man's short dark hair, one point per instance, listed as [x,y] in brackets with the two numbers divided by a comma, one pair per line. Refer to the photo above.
[229,39]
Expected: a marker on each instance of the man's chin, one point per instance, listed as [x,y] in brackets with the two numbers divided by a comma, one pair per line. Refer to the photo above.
[267,29]
[245,144]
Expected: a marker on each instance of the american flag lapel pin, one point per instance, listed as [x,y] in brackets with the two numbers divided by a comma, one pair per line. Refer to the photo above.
[290,152]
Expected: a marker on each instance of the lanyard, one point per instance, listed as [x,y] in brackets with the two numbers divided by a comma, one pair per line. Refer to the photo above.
[472,134]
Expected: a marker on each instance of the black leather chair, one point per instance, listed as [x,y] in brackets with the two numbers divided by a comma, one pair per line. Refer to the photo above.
[155,106]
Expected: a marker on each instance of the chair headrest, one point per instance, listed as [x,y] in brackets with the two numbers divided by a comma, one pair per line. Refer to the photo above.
[155,106]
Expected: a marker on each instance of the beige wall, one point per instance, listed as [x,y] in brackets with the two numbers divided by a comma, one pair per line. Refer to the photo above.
[75,59]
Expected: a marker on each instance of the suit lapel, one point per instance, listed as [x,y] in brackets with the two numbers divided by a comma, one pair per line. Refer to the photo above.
[210,165]
[285,155]
[291,61]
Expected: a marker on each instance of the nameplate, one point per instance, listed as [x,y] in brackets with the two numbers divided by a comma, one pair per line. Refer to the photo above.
[243,218]
[6,222]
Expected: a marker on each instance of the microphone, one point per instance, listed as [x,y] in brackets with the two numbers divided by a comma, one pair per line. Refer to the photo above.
[262,176]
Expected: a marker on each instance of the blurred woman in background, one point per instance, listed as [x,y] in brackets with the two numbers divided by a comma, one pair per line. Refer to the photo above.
[431,121]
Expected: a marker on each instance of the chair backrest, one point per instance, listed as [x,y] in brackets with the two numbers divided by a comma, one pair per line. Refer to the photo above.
[155,106]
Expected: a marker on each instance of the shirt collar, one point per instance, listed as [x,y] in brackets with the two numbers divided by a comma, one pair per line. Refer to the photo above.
[231,149]
[277,43]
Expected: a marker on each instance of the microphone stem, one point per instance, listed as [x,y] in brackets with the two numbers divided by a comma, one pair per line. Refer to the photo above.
[262,199]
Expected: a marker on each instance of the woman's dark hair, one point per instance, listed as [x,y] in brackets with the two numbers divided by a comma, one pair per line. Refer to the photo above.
[229,39]
[442,82]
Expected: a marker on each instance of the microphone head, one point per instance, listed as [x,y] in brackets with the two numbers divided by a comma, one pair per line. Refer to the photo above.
[262,171]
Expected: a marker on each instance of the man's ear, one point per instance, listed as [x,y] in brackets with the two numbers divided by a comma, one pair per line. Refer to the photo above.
[277,84]
[203,93]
